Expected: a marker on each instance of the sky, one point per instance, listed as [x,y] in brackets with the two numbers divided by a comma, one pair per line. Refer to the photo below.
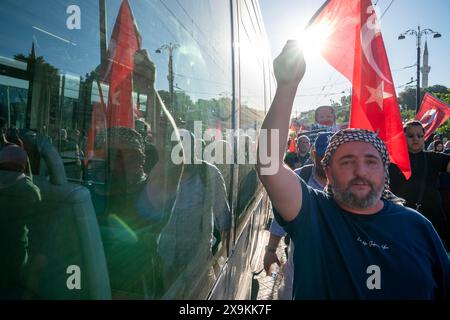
[284,19]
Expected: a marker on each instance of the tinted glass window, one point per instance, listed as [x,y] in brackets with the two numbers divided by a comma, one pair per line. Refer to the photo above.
[252,107]
[120,123]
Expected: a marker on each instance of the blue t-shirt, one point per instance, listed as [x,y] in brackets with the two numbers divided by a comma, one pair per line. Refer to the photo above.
[393,254]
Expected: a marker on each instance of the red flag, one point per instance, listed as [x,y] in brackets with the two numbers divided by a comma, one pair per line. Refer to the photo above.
[354,46]
[125,41]
[292,128]
[118,71]
[218,133]
[432,113]
[292,148]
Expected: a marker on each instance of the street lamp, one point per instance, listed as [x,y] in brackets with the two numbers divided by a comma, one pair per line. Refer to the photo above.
[418,35]
[169,47]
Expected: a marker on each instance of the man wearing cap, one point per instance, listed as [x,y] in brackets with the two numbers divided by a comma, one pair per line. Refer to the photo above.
[314,176]
[352,241]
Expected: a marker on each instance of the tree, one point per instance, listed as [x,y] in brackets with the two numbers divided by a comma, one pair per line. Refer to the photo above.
[407,98]
[407,114]
[437,88]
[445,128]
[343,110]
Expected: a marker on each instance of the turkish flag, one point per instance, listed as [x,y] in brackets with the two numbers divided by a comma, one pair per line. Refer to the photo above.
[125,41]
[118,73]
[432,113]
[218,133]
[353,45]
[292,148]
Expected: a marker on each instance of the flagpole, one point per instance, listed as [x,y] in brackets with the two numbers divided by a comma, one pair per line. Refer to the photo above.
[418,71]
[317,13]
[418,34]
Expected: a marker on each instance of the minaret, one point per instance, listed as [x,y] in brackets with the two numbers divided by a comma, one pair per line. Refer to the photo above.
[425,67]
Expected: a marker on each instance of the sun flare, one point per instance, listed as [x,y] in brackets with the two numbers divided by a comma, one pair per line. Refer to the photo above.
[313,39]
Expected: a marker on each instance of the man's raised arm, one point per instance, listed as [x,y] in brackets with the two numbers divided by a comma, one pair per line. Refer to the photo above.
[281,183]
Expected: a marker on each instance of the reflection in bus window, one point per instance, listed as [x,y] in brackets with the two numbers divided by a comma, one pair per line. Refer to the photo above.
[197,218]
[99,111]
[252,107]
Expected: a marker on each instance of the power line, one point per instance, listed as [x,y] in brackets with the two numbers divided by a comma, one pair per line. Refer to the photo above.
[392,1]
[225,84]
[181,24]
[318,87]
[404,85]
[321,94]
[197,26]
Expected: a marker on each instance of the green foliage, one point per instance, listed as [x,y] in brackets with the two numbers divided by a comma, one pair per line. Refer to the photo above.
[307,116]
[445,128]
[407,101]
[407,114]
[444,96]
[437,88]
[407,98]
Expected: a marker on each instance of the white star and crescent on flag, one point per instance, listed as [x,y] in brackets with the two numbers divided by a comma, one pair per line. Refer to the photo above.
[378,95]
[115,98]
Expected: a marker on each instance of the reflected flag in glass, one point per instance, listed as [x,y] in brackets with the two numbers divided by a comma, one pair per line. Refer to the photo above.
[117,71]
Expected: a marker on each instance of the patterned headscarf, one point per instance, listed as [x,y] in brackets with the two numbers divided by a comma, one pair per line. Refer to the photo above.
[350,135]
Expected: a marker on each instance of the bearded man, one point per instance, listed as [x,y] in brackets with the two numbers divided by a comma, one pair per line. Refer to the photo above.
[352,241]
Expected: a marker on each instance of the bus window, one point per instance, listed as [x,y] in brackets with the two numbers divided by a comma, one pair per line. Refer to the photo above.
[125,110]
[13,100]
[252,107]
[121,120]
[192,49]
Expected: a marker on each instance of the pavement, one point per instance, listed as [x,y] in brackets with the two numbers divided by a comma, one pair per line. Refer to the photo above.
[269,285]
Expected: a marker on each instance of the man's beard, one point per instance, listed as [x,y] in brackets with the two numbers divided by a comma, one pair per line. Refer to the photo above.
[347,197]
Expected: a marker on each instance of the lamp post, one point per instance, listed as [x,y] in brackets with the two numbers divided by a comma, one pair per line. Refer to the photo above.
[169,47]
[418,33]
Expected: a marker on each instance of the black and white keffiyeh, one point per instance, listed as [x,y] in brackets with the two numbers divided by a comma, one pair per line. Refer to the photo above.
[350,135]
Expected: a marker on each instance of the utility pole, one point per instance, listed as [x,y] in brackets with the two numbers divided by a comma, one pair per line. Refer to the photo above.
[170,77]
[418,34]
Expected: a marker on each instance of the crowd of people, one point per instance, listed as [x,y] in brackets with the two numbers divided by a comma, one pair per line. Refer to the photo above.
[362,230]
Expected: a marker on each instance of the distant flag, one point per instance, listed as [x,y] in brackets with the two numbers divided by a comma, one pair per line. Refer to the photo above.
[118,73]
[432,114]
[292,148]
[354,46]
[218,133]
